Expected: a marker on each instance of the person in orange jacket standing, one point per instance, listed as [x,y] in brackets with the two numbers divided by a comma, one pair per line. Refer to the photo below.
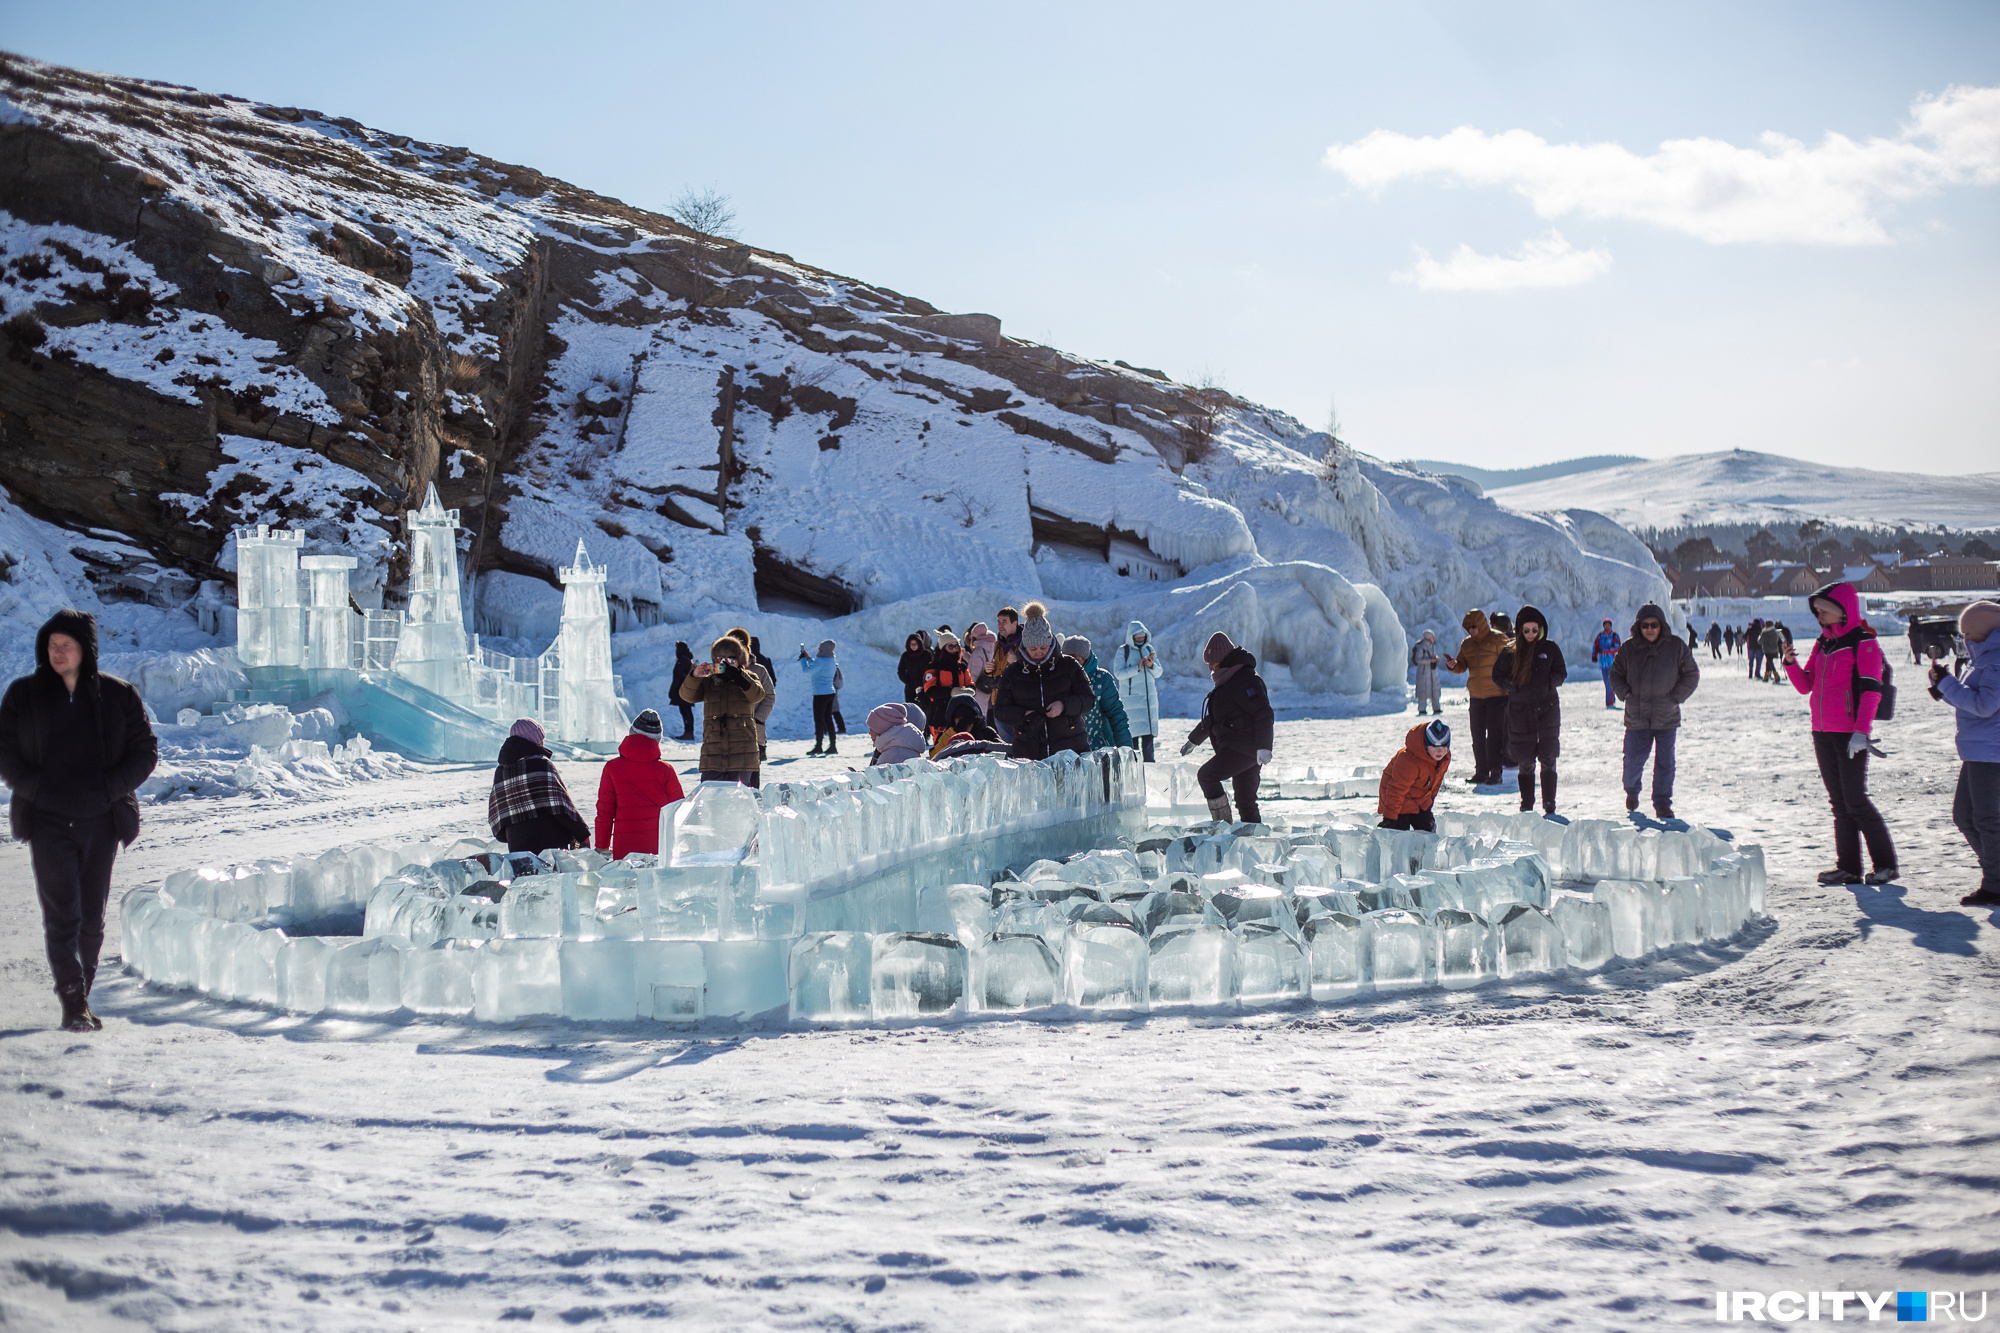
[1413,776]
[632,790]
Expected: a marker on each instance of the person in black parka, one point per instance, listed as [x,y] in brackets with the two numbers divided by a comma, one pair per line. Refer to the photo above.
[1236,718]
[1044,696]
[683,663]
[74,745]
[913,664]
[1531,670]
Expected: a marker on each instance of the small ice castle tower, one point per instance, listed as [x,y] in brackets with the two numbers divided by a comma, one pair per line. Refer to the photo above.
[588,703]
[432,650]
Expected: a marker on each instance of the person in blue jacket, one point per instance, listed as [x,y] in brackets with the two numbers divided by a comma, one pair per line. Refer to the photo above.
[1605,650]
[1976,806]
[823,673]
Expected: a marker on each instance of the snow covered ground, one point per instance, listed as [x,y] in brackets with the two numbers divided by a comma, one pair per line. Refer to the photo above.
[1805,1109]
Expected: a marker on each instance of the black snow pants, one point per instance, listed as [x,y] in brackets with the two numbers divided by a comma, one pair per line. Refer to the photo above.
[72,863]
[1538,745]
[1855,817]
[1489,730]
[1244,773]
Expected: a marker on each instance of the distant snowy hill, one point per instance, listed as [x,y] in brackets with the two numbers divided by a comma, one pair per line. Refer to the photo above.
[1488,478]
[1744,487]
[219,312]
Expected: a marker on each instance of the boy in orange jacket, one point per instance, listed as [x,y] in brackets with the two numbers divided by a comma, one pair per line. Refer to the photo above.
[1411,779]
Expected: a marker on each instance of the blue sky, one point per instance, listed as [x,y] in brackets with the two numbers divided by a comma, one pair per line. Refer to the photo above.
[1155,183]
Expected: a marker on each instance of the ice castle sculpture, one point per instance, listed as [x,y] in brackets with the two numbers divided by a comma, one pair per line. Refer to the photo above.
[414,679]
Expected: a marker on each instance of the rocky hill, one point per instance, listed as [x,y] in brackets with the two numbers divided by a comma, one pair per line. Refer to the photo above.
[219,312]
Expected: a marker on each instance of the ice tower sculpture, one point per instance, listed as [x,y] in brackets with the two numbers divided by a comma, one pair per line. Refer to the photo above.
[328,619]
[432,651]
[270,630]
[588,699]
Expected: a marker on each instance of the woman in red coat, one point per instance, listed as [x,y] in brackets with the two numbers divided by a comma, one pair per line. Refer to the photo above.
[632,791]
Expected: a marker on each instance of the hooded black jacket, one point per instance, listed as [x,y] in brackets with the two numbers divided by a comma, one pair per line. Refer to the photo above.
[30,720]
[1025,693]
[1237,714]
[1534,706]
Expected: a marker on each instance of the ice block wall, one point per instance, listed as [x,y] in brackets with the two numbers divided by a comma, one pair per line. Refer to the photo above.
[936,922]
[330,622]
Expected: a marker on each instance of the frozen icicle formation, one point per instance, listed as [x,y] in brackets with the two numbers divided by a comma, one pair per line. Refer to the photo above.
[1081,907]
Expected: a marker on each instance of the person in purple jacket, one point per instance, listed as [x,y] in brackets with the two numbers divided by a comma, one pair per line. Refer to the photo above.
[1976,696]
[1844,678]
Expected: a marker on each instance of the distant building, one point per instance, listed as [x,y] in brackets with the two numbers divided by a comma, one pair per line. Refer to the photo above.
[1949,573]
[1783,578]
[1717,580]
[1866,578]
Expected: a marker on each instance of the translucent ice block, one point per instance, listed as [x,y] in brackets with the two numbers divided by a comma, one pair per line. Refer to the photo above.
[1585,923]
[1636,911]
[1242,904]
[1687,915]
[1723,897]
[365,976]
[1029,916]
[256,966]
[1396,950]
[533,908]
[1017,972]
[135,919]
[1528,942]
[917,974]
[437,978]
[672,980]
[957,909]
[830,977]
[1334,954]
[301,974]
[514,978]
[1191,962]
[717,825]
[1104,966]
[1270,965]
[1464,949]
[599,981]
[215,955]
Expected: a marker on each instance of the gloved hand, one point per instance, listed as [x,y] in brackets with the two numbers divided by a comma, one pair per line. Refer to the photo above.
[1187,747]
[1263,757]
[1860,741]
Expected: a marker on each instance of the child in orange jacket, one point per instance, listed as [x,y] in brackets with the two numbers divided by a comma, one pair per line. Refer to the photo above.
[1411,779]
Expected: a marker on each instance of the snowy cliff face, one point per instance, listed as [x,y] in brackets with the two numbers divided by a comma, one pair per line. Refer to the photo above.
[220,312]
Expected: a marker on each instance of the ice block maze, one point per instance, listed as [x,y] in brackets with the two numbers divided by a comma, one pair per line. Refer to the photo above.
[926,892]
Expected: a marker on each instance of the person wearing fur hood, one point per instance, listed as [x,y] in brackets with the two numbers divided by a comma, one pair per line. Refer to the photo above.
[728,694]
[1652,673]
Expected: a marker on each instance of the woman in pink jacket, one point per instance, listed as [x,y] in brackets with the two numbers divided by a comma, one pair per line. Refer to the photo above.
[1844,677]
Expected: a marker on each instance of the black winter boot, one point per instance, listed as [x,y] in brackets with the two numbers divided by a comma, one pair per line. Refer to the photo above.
[832,748]
[1548,793]
[76,1015]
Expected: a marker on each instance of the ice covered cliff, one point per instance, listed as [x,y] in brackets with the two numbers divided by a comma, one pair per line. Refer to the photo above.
[219,312]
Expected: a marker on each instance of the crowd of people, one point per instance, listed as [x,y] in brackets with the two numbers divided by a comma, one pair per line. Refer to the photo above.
[76,743]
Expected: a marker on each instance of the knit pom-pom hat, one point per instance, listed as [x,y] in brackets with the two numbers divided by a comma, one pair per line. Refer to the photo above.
[527,729]
[1036,632]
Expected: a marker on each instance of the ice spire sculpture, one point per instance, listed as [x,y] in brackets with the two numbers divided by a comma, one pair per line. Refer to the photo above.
[269,628]
[432,651]
[588,697]
[328,619]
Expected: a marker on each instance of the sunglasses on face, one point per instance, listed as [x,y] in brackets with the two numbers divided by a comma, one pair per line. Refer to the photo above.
[1649,624]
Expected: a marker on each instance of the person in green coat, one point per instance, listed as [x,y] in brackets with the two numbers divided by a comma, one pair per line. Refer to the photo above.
[1106,724]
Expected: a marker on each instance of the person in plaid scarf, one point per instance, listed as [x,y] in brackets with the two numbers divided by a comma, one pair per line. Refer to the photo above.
[529,806]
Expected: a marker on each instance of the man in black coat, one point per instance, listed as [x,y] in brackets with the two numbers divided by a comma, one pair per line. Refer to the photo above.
[74,746]
[1237,719]
[1044,697]
[1531,670]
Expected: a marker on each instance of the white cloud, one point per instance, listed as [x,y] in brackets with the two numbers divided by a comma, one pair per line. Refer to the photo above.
[1780,190]
[1550,261]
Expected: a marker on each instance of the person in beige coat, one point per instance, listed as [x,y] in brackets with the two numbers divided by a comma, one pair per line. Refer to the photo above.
[728,694]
